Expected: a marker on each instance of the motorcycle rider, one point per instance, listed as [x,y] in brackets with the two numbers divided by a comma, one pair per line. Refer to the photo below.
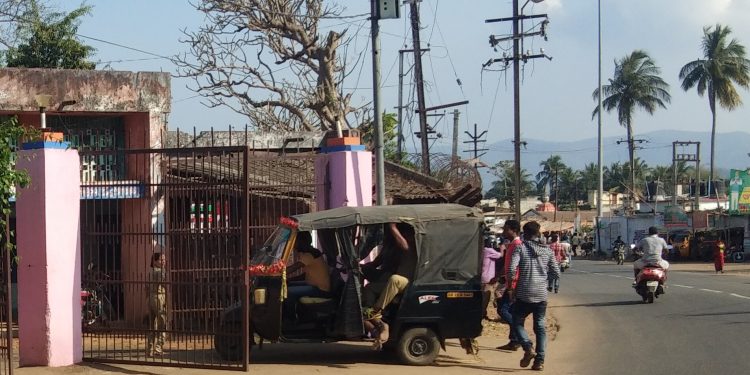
[618,246]
[652,247]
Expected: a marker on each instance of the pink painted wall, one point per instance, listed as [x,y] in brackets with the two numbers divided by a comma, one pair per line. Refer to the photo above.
[349,179]
[49,269]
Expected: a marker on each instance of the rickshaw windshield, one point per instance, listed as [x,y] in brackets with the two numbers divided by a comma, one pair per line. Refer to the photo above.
[273,249]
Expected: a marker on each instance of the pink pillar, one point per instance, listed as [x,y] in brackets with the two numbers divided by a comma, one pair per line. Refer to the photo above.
[344,178]
[49,250]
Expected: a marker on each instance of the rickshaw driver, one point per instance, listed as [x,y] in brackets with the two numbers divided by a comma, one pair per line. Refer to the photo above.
[317,278]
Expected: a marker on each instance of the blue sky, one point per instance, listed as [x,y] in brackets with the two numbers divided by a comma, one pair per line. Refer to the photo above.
[556,95]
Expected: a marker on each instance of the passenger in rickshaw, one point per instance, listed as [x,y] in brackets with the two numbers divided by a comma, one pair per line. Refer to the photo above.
[317,277]
[396,263]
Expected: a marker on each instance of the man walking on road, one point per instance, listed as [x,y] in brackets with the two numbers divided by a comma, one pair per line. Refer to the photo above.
[511,230]
[534,263]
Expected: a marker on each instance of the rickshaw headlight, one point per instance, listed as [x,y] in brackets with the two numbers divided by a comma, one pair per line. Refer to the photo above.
[259,296]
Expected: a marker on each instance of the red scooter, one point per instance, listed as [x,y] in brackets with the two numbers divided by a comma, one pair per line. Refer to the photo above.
[650,283]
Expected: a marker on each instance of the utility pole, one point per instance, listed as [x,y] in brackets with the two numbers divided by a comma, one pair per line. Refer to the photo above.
[631,151]
[379,9]
[454,151]
[400,135]
[399,146]
[517,57]
[476,139]
[516,113]
[694,156]
[414,9]
[377,116]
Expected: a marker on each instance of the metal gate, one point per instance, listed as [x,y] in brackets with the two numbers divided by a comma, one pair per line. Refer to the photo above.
[6,316]
[191,205]
[203,208]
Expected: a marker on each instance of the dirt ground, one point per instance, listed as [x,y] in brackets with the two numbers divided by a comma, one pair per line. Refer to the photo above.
[344,358]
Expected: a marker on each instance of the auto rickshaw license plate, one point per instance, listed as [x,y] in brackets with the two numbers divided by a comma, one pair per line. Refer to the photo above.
[460,294]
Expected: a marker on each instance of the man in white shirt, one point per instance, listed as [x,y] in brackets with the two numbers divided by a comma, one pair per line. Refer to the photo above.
[652,247]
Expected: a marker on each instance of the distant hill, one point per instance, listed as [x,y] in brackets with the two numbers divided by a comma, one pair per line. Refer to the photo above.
[731,151]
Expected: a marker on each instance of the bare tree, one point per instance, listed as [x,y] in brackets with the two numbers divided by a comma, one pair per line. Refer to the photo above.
[267,59]
[11,13]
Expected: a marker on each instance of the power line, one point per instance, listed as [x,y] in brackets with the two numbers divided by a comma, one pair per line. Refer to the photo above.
[126,47]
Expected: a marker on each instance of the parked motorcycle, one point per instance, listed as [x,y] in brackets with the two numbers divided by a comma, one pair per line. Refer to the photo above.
[91,307]
[650,283]
[95,306]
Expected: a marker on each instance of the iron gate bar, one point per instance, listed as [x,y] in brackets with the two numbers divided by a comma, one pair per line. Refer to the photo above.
[6,349]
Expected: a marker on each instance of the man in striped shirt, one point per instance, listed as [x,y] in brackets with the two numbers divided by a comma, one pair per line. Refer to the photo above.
[535,263]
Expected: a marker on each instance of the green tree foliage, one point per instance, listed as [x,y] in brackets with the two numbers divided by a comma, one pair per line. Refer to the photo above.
[503,189]
[723,65]
[390,138]
[48,40]
[636,84]
[573,185]
[10,178]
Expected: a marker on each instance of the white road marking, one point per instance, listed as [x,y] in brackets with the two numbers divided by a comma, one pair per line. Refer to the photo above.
[683,286]
[739,296]
[711,290]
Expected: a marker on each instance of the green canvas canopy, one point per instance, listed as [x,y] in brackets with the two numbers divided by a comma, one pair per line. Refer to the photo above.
[448,236]
[348,216]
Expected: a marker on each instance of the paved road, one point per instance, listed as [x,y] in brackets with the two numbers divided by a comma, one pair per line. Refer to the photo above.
[701,326]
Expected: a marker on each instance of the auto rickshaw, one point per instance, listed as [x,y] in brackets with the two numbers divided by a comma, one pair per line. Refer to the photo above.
[443,301]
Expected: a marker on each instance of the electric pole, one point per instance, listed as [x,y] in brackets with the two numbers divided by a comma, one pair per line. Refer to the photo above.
[414,10]
[476,139]
[517,58]
[454,150]
[400,108]
[379,9]
[689,156]
[631,151]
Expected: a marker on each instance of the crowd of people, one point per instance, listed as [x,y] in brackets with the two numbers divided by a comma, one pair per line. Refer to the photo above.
[521,270]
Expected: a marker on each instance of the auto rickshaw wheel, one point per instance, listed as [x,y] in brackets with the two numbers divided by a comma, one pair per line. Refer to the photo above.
[418,346]
[227,344]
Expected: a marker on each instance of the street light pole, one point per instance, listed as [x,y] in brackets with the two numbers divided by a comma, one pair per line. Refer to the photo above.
[600,156]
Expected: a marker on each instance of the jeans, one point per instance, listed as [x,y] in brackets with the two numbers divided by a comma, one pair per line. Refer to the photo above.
[521,310]
[553,283]
[504,310]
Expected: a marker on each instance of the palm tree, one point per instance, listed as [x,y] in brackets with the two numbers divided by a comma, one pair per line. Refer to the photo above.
[723,65]
[614,177]
[636,83]
[589,177]
[548,175]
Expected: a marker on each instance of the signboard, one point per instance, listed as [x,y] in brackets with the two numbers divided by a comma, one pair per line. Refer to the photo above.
[113,190]
[674,217]
[739,192]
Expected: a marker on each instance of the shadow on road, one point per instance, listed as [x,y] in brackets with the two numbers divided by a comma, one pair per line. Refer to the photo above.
[116,369]
[715,314]
[602,304]
[349,355]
